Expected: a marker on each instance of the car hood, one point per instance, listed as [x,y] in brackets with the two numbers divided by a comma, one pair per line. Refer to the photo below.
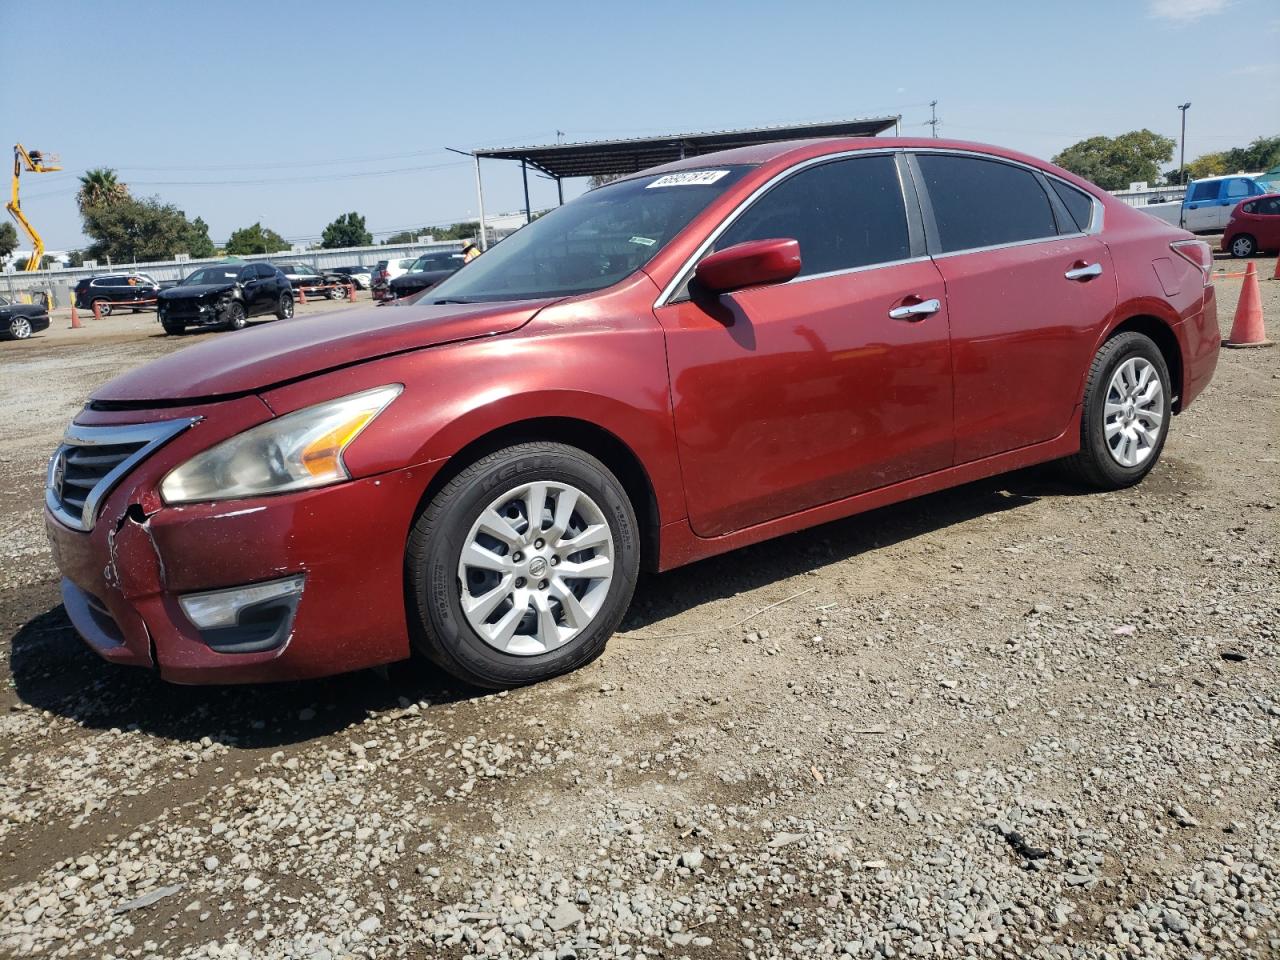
[195,291]
[289,350]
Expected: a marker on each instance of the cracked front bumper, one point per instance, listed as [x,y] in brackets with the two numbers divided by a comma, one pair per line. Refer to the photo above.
[123,579]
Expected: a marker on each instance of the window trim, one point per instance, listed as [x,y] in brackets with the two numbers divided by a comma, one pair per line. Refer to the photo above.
[1042,176]
[672,292]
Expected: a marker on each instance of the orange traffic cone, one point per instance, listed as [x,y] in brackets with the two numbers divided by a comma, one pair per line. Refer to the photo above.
[1247,329]
[1275,275]
[75,319]
[302,294]
[351,292]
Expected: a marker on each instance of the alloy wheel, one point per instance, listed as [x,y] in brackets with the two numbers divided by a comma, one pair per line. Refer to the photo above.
[20,328]
[1134,412]
[1242,247]
[536,567]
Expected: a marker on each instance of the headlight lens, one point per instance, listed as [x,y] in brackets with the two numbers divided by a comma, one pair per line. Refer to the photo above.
[294,452]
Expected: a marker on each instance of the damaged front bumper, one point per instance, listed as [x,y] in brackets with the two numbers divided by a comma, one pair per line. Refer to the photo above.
[274,588]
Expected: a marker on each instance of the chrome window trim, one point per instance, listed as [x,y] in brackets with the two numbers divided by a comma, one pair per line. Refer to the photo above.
[681,276]
[151,435]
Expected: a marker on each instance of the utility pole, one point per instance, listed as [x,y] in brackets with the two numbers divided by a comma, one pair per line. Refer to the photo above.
[559,136]
[484,233]
[1182,158]
[933,117]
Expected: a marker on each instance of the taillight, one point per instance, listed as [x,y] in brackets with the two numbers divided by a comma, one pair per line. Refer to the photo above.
[1197,253]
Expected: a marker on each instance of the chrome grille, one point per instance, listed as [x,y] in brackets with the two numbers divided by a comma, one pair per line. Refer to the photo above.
[92,460]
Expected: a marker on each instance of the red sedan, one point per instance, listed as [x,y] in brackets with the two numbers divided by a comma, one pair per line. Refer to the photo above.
[1254,227]
[694,358]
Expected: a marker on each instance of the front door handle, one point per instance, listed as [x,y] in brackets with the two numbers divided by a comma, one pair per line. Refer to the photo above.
[1084,272]
[916,311]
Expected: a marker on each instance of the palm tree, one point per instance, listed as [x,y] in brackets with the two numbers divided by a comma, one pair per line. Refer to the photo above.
[100,186]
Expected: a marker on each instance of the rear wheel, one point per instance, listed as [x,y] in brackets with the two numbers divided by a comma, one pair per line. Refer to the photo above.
[20,328]
[1243,245]
[1125,420]
[522,566]
[336,293]
[284,309]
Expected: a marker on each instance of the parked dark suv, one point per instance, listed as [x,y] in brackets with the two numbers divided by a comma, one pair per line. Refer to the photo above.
[112,288]
[305,275]
[225,294]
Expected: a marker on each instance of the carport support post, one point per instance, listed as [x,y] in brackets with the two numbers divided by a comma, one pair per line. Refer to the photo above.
[484,233]
[560,190]
[524,172]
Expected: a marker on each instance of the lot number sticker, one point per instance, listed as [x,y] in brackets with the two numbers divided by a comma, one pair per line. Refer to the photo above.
[690,178]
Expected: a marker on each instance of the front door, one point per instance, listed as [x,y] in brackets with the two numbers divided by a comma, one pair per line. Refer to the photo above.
[1028,290]
[798,394]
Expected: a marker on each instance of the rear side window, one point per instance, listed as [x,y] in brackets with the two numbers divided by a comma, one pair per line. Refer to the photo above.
[847,213]
[1078,203]
[1249,207]
[1239,187]
[982,203]
[1204,190]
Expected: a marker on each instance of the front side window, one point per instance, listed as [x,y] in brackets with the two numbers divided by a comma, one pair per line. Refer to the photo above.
[593,241]
[844,214]
[1237,188]
[1204,191]
[984,203]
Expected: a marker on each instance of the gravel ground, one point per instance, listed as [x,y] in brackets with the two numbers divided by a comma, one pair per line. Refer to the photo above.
[1009,720]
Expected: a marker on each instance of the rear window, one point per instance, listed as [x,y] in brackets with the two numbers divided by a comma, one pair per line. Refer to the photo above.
[984,203]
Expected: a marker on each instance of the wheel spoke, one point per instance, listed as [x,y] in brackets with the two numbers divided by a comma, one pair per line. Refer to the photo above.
[597,568]
[596,535]
[1112,410]
[479,608]
[501,632]
[1113,428]
[575,614]
[536,503]
[474,555]
[566,500]
[497,526]
[548,629]
[1153,418]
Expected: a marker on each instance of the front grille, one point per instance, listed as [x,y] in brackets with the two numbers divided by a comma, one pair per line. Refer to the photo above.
[92,460]
[86,467]
[182,308]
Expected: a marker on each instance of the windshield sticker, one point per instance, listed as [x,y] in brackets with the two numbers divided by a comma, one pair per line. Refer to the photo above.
[690,178]
[643,241]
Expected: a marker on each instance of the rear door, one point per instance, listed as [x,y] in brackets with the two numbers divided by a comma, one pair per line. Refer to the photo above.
[1028,286]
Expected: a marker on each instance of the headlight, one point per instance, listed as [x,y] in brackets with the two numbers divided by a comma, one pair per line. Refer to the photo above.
[294,452]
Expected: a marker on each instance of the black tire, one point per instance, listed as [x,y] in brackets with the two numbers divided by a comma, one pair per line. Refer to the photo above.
[440,630]
[284,309]
[174,328]
[1094,465]
[1243,245]
[236,318]
[103,305]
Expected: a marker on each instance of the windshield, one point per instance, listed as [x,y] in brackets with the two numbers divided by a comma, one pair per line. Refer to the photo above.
[222,274]
[592,242]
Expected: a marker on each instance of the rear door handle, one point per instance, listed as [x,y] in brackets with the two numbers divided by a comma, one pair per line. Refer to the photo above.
[1085,272]
[916,311]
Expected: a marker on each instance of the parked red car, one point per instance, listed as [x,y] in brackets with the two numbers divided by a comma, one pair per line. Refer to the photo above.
[694,358]
[1254,227]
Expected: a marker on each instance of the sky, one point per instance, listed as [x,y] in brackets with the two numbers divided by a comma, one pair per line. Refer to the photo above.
[291,114]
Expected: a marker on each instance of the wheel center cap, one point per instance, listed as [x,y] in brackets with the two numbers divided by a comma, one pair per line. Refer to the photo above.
[537,566]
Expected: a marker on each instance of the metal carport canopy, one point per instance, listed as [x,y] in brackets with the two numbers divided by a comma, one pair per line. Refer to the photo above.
[619,157]
[613,157]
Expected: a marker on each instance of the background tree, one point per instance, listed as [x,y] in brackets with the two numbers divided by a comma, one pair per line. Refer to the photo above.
[1115,162]
[8,240]
[146,229]
[600,179]
[255,239]
[347,231]
[1259,156]
[458,231]
[100,186]
[199,246]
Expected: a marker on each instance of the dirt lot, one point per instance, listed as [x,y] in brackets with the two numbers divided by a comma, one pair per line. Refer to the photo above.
[1008,720]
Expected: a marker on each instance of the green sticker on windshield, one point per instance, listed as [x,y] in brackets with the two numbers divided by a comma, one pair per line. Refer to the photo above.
[643,241]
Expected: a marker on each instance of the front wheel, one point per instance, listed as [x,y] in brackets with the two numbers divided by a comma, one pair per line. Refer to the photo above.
[336,293]
[235,315]
[284,309]
[103,307]
[522,566]
[1125,420]
[173,328]
[1243,245]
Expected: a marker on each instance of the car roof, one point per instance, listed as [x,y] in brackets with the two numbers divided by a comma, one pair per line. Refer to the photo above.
[1225,176]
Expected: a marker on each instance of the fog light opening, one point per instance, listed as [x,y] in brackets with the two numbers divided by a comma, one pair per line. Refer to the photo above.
[248,619]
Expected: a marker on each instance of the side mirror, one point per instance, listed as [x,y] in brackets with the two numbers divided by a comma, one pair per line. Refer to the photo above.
[750,264]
